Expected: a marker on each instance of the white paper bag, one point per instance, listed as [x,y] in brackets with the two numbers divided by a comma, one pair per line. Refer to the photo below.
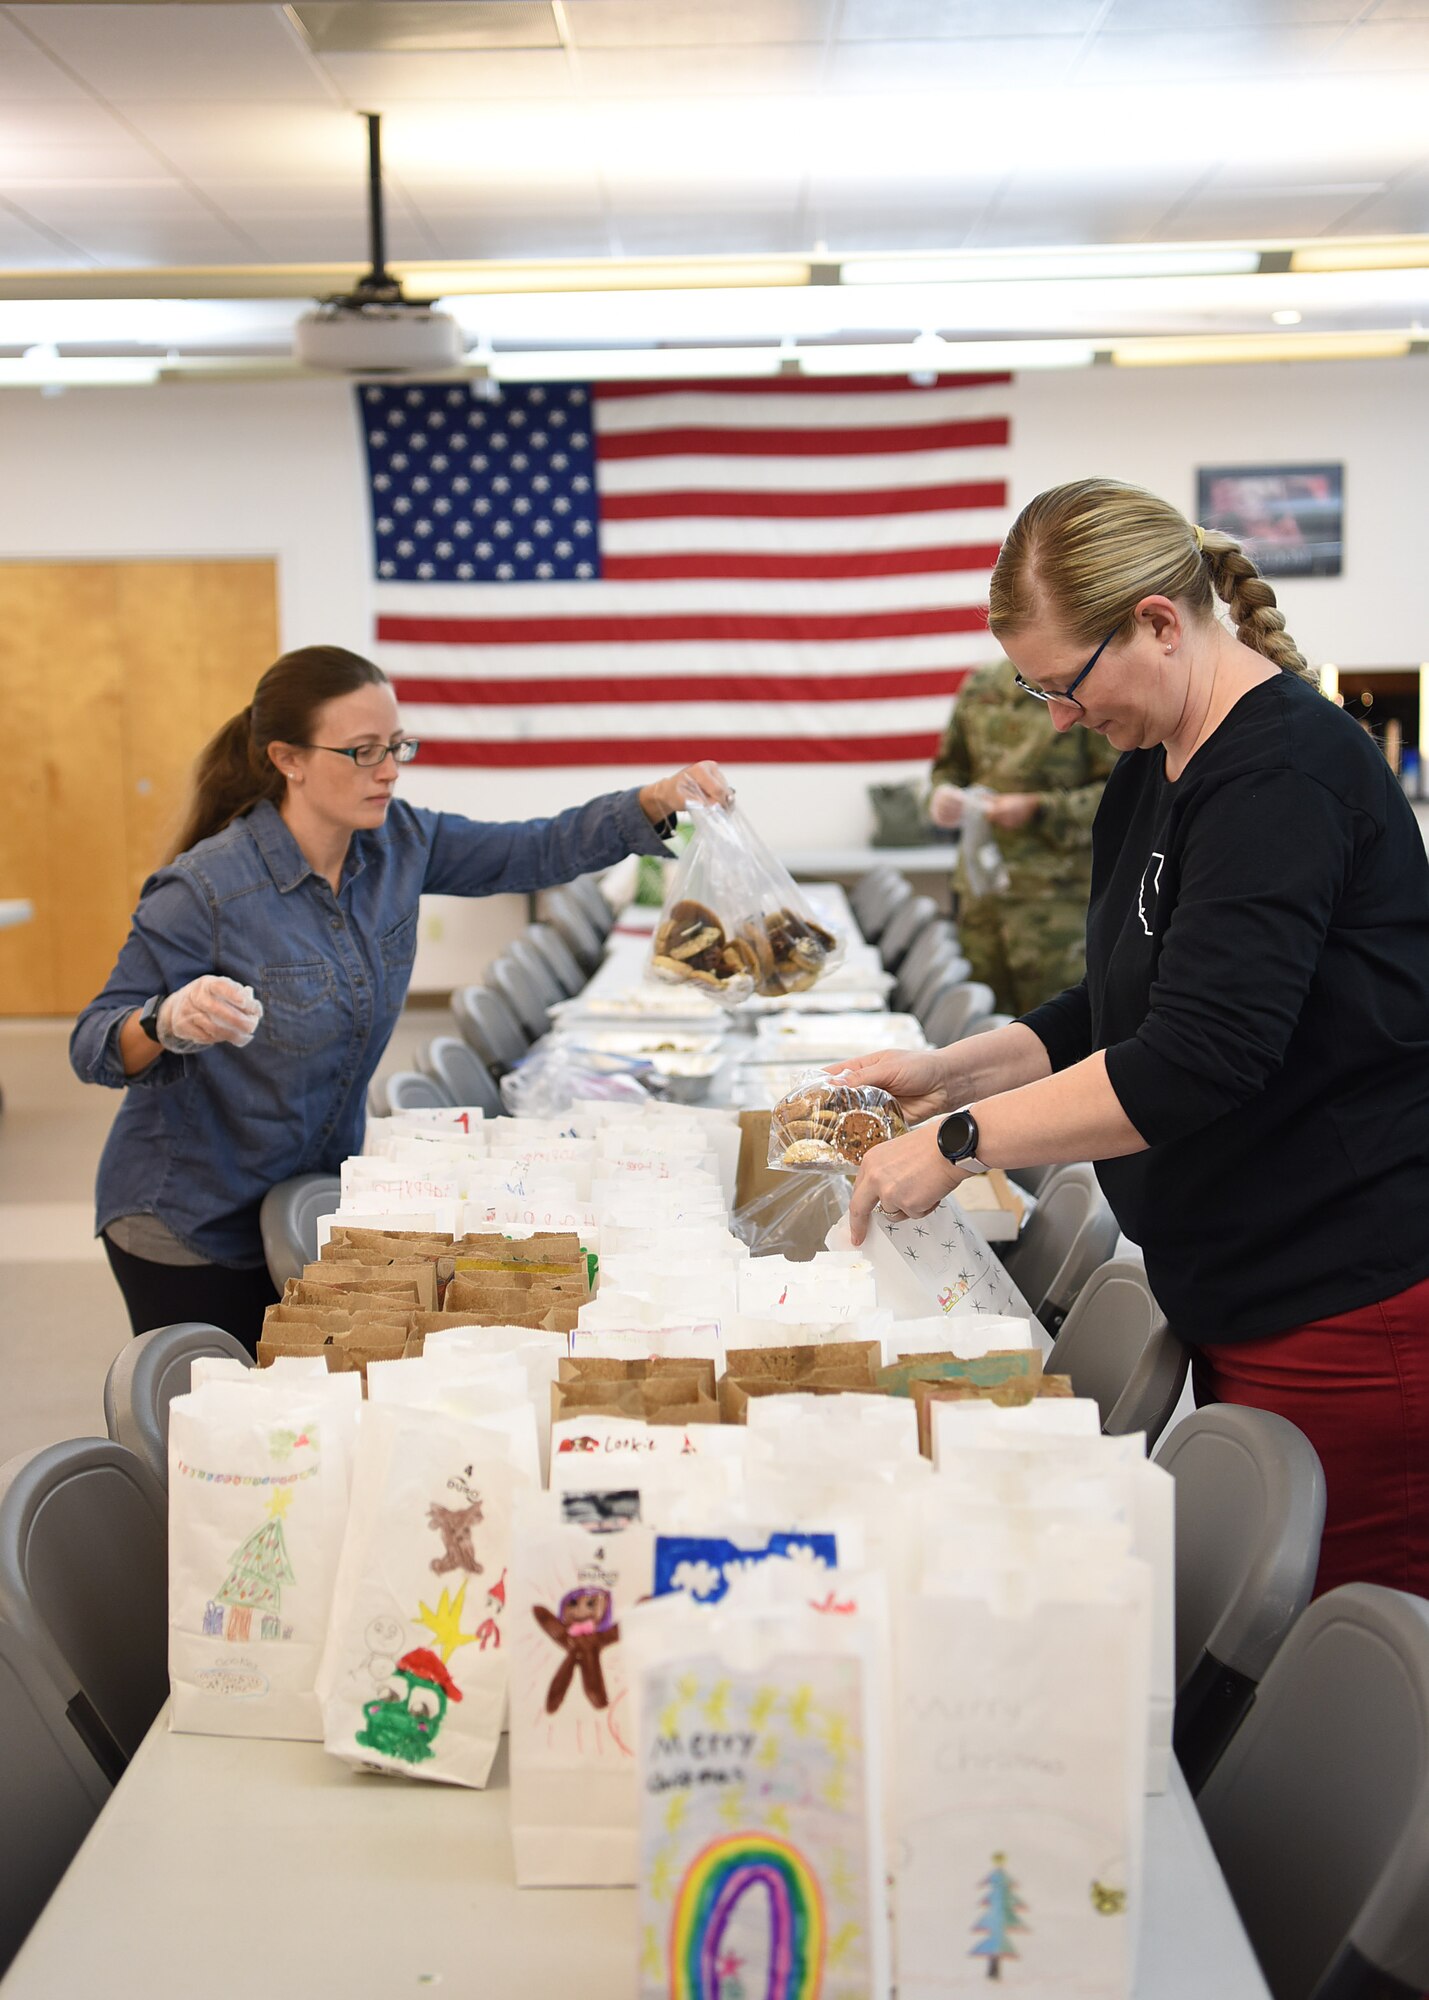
[937,1263]
[413,1678]
[258,1487]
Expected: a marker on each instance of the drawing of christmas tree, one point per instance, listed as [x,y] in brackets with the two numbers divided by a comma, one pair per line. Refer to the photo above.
[259,1569]
[999,1914]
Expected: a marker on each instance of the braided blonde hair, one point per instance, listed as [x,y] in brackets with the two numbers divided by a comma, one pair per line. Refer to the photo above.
[1095,548]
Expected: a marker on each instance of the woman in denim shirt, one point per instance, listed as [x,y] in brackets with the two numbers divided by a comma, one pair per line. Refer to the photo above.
[267,963]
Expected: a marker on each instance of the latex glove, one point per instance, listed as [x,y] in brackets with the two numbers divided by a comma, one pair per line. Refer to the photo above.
[945,808]
[700,784]
[208,1010]
[1011,810]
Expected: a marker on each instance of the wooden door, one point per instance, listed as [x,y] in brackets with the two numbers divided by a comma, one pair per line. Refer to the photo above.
[114,675]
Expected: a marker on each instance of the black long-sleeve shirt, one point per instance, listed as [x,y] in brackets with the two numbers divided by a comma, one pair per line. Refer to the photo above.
[1258,975]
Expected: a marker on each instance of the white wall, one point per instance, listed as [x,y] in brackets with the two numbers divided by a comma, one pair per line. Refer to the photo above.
[276,469]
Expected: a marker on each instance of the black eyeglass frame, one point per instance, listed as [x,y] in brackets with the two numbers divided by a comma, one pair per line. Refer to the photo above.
[403,751]
[1068,693]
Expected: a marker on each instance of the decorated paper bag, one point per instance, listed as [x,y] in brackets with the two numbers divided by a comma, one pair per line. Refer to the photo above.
[761,1867]
[413,1679]
[596,1451]
[579,1563]
[937,1263]
[1018,1811]
[258,1487]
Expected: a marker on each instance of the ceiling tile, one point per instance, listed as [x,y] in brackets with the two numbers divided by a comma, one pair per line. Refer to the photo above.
[1006,62]
[712,232]
[700,72]
[1402,210]
[374,81]
[1265,213]
[178,52]
[41,141]
[850,227]
[936,20]
[390,26]
[27,72]
[287,144]
[1402,10]
[1053,213]
[1385,45]
[644,24]
[554,233]
[29,248]
[1187,57]
[1169,17]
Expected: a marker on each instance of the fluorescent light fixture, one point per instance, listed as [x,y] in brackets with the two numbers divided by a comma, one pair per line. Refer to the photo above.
[1287,317]
[608,275]
[1013,266]
[1371,253]
[650,364]
[47,371]
[944,357]
[1211,348]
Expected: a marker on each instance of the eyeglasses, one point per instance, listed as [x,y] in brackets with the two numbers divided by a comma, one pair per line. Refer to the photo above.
[367,756]
[1068,693]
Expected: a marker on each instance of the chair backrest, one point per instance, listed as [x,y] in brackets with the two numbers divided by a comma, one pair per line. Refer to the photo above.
[879,905]
[517,988]
[908,921]
[558,958]
[409,1090]
[954,1012]
[1117,1348]
[988,1024]
[288,1222]
[490,1027]
[930,942]
[587,891]
[53,1790]
[548,987]
[84,1580]
[1250,1509]
[1070,1232]
[1319,1810]
[946,968]
[146,1375]
[562,911]
[461,1072]
[869,889]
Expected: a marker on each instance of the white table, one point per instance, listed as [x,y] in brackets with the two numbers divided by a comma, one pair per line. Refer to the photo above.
[937,858]
[231,1869]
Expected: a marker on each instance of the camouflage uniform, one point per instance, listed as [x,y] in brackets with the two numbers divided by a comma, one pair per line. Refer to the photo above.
[1029,942]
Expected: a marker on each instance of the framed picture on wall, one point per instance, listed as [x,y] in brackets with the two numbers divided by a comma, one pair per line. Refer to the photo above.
[1288,518]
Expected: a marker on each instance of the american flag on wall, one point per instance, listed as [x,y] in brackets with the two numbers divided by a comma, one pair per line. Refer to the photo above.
[610,574]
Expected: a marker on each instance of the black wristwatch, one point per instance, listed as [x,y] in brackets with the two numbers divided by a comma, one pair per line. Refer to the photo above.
[149,1016]
[958,1141]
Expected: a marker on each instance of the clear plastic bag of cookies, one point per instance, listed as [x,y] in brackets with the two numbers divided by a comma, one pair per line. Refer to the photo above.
[734,922]
[823,1126]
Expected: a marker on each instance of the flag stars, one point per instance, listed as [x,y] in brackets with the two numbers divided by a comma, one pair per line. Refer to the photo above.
[457,441]
[406,548]
[377,439]
[559,461]
[501,484]
[441,505]
[422,528]
[481,505]
[541,484]
[585,569]
[525,549]
[561,504]
[543,527]
[446,549]
[461,485]
[402,505]
[486,550]
[480,462]
[519,461]
[381,482]
[461,527]
[498,442]
[565,548]
[387,567]
[439,462]
[539,440]
[545,569]
[556,419]
[505,571]
[465,570]
[538,394]
[581,483]
[516,418]
[521,505]
[426,569]
[417,441]
[421,484]
[456,395]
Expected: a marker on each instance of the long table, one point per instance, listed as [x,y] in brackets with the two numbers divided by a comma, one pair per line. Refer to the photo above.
[235,1869]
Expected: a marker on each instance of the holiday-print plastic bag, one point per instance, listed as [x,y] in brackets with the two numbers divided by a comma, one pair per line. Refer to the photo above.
[733,922]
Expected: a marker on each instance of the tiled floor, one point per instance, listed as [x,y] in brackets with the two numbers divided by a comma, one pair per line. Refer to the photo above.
[61,1317]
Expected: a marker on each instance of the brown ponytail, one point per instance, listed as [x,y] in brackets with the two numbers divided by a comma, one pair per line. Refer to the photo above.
[233,771]
[1090,551]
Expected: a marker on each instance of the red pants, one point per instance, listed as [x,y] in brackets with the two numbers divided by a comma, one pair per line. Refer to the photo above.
[1358,1386]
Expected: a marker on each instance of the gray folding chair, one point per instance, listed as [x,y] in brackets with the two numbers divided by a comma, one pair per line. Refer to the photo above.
[83,1580]
[869,889]
[1034,1179]
[947,968]
[517,988]
[879,905]
[907,923]
[937,940]
[146,1375]
[1117,1348]
[489,1026]
[586,891]
[989,1024]
[533,964]
[409,1090]
[1070,1232]
[1250,1509]
[563,912]
[1319,1809]
[463,1074]
[52,1791]
[288,1222]
[955,1011]
[558,958]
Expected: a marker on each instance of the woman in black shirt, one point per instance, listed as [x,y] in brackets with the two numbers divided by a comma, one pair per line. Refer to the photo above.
[1247,1059]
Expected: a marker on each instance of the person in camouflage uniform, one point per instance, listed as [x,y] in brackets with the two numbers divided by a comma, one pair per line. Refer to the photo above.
[1027,942]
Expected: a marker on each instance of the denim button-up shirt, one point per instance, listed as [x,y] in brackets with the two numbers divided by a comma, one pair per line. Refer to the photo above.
[199,1140]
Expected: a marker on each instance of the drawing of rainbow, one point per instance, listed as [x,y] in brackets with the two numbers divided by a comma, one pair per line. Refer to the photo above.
[716,1881]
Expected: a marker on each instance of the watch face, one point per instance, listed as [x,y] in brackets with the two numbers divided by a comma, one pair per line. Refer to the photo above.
[957,1137]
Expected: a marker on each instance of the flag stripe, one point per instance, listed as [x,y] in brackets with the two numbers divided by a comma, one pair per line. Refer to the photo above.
[636,751]
[666,597]
[884,562]
[897,500]
[467,691]
[835,472]
[693,440]
[763,656]
[678,408]
[865,534]
[794,385]
[661,630]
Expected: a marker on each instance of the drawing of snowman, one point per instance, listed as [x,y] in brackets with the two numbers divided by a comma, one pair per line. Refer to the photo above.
[385,1637]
